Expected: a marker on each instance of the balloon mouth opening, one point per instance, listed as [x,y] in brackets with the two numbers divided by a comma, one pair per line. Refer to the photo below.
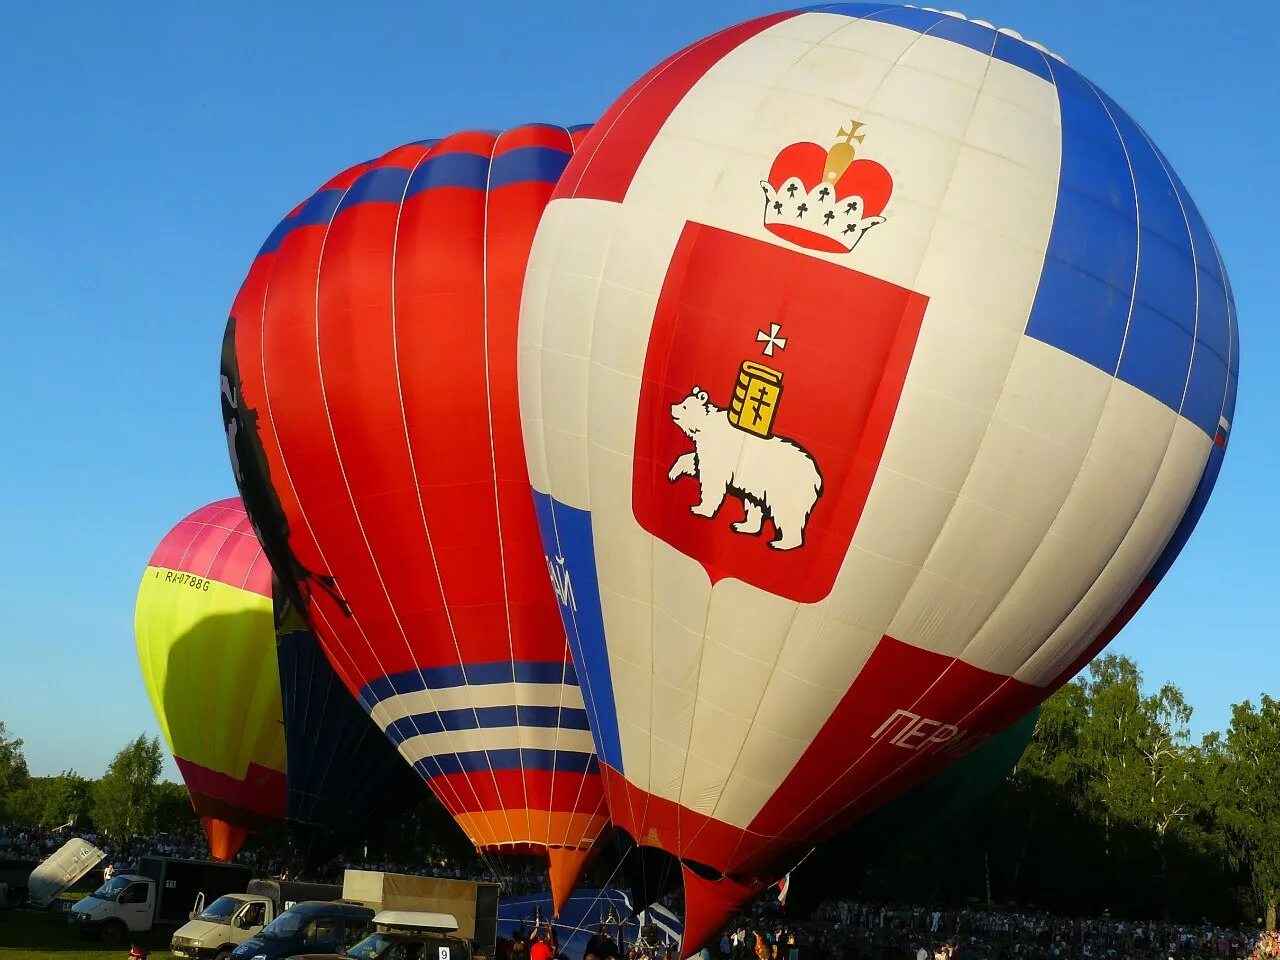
[704,872]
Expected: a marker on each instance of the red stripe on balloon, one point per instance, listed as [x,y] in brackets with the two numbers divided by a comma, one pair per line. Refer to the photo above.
[255,802]
[496,791]
[633,121]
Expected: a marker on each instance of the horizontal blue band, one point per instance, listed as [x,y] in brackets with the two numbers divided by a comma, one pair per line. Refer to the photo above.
[318,209]
[565,718]
[528,165]
[467,170]
[471,674]
[477,761]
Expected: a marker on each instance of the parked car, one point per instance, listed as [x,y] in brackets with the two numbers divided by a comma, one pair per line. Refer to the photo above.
[310,927]
[406,935]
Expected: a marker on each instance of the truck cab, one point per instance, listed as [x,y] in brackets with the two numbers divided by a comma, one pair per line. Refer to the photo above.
[236,917]
[222,926]
[163,891]
[124,904]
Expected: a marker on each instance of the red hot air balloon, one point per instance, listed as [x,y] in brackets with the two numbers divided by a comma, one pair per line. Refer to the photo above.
[369,393]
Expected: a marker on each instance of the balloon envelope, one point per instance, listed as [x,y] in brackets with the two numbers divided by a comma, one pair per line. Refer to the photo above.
[369,394]
[343,774]
[874,367]
[206,645]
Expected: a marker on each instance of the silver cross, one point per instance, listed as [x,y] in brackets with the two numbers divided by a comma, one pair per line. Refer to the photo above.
[771,339]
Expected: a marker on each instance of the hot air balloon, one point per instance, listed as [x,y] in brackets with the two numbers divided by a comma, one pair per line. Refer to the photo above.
[343,774]
[874,367]
[206,645]
[369,394]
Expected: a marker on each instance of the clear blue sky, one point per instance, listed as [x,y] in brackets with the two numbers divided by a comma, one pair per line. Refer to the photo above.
[147,149]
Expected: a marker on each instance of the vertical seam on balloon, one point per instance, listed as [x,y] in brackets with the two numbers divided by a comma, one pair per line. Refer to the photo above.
[248,571]
[564,679]
[497,502]
[220,763]
[567,659]
[497,507]
[586,684]
[444,600]
[698,831]
[899,61]
[1195,265]
[586,445]
[564,669]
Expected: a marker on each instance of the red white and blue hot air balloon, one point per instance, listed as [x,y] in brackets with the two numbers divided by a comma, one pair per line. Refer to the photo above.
[369,393]
[875,366]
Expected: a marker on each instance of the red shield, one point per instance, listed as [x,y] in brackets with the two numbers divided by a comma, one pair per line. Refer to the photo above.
[818,353]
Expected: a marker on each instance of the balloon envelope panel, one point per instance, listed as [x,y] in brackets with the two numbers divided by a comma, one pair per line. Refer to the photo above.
[874,368]
[205,640]
[344,775]
[369,395]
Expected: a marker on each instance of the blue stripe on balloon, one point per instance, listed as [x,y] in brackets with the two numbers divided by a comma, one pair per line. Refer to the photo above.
[1120,274]
[471,674]
[318,209]
[379,185]
[567,530]
[482,761]
[1131,282]
[387,184]
[1082,304]
[1162,327]
[468,171]
[528,165]
[486,718]
[1021,54]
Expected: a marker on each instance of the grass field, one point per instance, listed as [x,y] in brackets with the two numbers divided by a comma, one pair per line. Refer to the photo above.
[30,935]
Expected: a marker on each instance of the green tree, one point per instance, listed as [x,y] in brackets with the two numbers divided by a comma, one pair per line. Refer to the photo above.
[14,775]
[174,813]
[125,799]
[1249,798]
[65,799]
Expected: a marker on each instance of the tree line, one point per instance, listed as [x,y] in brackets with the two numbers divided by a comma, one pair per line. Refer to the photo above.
[1113,806]
[128,799]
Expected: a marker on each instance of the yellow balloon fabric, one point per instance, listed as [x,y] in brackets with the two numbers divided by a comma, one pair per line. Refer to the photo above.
[206,646]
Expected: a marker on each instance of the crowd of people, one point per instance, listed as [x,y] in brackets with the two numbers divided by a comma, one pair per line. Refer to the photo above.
[847,930]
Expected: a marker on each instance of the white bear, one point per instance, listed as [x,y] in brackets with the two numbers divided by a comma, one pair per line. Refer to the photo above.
[775,478]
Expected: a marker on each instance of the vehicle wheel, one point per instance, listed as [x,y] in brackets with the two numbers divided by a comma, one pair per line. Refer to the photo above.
[112,932]
[223,955]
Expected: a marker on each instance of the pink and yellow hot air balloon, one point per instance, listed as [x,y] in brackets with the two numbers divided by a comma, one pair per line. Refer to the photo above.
[206,644]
